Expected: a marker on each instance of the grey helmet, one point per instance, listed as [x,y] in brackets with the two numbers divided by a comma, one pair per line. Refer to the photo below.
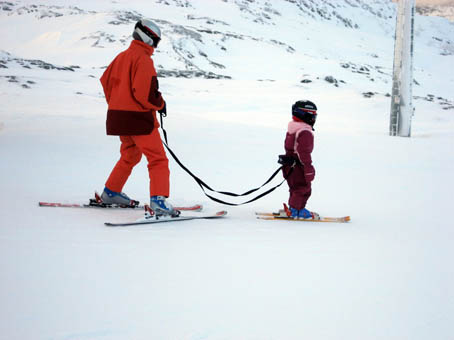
[148,32]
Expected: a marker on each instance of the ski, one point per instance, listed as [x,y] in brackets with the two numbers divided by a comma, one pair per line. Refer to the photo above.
[343,219]
[282,215]
[151,219]
[94,204]
[97,202]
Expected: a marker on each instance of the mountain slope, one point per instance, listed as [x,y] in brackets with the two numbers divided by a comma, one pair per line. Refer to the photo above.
[234,39]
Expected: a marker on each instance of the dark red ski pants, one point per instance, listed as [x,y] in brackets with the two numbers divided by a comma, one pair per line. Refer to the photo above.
[300,189]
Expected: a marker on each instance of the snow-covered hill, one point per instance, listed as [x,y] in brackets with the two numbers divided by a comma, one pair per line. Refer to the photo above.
[229,71]
[307,40]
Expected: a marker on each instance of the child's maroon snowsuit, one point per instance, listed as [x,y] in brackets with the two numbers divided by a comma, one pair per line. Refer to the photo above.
[299,143]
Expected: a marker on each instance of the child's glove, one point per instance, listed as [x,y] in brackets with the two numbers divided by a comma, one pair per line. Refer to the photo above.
[286,160]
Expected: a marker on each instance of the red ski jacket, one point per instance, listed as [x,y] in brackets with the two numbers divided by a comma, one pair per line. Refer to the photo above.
[132,92]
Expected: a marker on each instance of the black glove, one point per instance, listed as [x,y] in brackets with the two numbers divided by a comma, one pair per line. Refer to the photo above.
[163,111]
[287,160]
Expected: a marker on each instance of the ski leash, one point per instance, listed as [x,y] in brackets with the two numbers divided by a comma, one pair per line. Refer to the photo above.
[205,187]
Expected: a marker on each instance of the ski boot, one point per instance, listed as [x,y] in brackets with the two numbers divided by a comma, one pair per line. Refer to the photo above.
[161,207]
[109,198]
[302,214]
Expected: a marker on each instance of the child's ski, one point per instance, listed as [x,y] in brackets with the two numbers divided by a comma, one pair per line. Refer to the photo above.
[343,219]
[151,219]
[282,215]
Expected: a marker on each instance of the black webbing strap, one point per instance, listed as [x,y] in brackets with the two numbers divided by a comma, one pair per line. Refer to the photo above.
[164,132]
[205,186]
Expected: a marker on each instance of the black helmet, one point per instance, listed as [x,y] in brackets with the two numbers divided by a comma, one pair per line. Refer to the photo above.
[306,111]
[148,32]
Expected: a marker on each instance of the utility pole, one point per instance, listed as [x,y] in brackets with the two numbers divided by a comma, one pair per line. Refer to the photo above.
[401,99]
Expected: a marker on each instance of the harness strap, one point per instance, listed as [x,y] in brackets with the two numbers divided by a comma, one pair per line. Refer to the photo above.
[205,186]
[162,126]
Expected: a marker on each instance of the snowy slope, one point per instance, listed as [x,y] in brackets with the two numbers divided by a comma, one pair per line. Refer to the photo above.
[230,70]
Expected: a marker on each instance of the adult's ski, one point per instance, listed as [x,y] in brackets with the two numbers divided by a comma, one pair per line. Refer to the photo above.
[97,202]
[195,207]
[151,219]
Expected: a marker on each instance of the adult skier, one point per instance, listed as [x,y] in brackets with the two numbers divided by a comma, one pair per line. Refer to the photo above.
[298,169]
[131,89]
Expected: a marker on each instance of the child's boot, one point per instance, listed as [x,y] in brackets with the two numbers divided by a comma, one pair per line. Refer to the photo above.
[294,213]
[308,215]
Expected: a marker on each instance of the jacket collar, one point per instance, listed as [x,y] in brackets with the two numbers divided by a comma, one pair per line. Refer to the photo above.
[137,44]
[294,127]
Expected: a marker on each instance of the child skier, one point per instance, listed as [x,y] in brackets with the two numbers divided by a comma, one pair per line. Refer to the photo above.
[298,169]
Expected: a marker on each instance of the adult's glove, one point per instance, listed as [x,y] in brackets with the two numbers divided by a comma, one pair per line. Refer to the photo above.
[163,111]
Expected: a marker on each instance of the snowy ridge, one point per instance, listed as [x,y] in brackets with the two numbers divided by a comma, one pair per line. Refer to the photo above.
[211,46]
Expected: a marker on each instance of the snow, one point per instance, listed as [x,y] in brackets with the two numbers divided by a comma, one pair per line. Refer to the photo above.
[384,275]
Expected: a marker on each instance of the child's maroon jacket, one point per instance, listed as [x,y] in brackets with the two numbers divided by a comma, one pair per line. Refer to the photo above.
[299,143]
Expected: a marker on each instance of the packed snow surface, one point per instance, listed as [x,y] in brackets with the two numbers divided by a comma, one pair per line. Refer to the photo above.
[230,71]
